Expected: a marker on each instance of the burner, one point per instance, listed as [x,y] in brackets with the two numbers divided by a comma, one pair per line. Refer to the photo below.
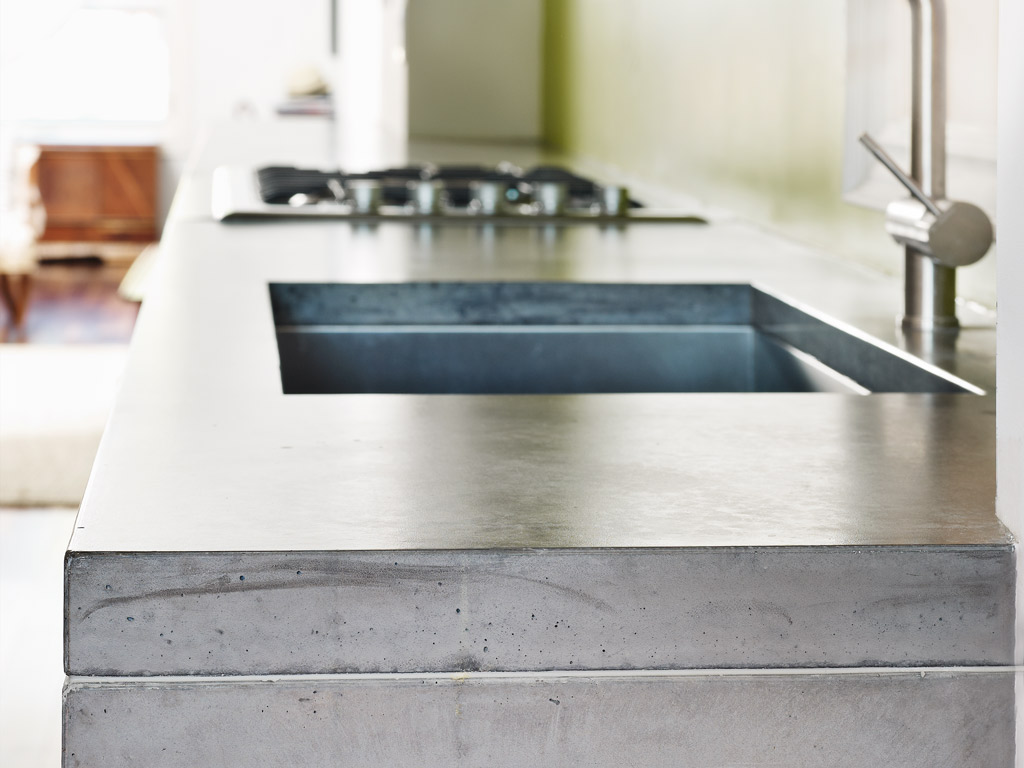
[280,184]
[460,187]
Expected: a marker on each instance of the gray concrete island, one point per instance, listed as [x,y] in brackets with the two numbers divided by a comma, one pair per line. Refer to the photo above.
[235,538]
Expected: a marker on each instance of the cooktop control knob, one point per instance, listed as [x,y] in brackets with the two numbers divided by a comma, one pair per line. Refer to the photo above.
[551,197]
[365,195]
[486,197]
[427,195]
[614,200]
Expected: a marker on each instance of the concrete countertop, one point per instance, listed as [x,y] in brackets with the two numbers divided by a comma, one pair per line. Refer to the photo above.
[204,453]
[520,579]
[231,529]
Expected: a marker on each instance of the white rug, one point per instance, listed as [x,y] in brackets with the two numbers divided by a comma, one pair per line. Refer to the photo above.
[54,404]
[32,544]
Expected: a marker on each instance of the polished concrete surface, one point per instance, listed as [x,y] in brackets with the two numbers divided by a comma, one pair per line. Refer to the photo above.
[385,472]
[205,454]
[202,402]
[540,609]
[913,719]
[224,519]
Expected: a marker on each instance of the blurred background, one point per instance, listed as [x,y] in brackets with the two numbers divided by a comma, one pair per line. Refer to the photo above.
[745,105]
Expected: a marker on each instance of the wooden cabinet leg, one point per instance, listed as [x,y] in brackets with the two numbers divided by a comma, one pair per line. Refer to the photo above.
[14,292]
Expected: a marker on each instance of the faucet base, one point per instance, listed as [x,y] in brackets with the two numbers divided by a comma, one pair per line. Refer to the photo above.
[929,295]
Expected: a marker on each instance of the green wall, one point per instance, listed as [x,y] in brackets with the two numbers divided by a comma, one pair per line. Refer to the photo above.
[737,102]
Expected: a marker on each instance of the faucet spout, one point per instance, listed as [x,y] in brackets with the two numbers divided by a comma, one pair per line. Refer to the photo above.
[929,287]
[928,96]
[939,234]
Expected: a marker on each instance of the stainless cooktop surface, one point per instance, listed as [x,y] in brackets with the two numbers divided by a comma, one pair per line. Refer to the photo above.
[469,193]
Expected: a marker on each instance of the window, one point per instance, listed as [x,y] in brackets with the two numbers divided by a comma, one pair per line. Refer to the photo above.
[97,61]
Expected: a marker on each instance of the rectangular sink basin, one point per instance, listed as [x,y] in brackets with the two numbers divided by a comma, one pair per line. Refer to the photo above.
[574,338]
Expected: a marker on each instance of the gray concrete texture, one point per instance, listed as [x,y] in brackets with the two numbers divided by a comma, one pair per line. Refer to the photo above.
[238,466]
[911,720]
[315,613]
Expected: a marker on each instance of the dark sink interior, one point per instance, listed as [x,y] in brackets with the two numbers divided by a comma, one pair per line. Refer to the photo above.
[571,338]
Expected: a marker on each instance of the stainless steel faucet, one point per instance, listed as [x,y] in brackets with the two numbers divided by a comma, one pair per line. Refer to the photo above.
[939,234]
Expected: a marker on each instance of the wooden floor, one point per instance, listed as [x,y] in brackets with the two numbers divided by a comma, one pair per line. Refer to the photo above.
[73,301]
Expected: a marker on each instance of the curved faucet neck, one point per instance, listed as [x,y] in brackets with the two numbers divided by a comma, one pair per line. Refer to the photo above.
[928,96]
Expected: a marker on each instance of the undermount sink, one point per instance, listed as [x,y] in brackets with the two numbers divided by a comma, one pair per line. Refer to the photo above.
[574,338]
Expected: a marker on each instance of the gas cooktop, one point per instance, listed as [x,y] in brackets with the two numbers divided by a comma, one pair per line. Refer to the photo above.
[427,192]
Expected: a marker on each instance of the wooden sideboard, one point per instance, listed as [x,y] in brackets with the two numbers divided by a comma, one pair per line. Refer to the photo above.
[99,194]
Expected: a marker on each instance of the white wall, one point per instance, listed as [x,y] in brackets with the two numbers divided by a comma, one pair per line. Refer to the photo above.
[231,59]
[1010,330]
[475,66]
[1010,228]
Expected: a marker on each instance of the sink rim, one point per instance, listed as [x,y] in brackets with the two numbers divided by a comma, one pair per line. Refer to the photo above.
[500,307]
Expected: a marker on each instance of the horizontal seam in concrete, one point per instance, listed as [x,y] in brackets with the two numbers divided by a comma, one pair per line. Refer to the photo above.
[635,674]
[1007,544]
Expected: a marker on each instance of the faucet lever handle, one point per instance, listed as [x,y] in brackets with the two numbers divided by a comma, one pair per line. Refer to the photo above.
[912,186]
[955,235]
